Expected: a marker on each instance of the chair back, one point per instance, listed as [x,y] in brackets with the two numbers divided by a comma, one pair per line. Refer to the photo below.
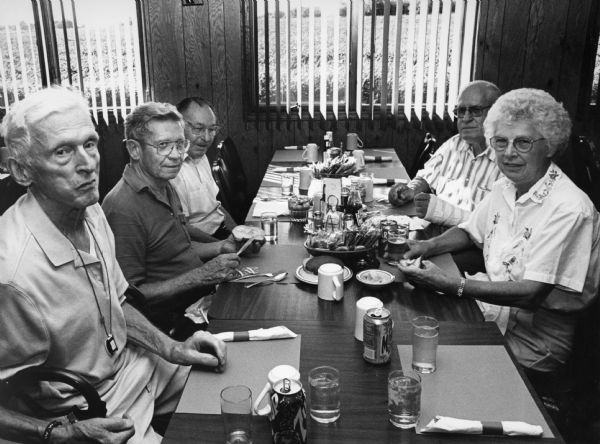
[229,175]
[426,150]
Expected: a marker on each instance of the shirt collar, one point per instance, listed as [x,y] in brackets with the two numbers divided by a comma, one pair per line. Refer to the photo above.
[539,191]
[138,183]
[488,152]
[51,240]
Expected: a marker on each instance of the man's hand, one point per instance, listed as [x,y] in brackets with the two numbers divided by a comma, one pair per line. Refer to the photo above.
[96,430]
[417,249]
[422,201]
[233,246]
[201,348]
[430,275]
[400,194]
[228,245]
[219,269]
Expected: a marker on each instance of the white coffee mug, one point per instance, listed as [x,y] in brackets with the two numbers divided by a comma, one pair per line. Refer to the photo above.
[275,374]
[305,179]
[331,282]
[353,141]
[311,153]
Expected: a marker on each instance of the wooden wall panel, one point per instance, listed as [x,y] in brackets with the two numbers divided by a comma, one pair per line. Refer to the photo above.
[196,41]
[217,59]
[166,57]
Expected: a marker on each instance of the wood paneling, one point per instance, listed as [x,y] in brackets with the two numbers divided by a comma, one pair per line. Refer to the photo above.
[199,50]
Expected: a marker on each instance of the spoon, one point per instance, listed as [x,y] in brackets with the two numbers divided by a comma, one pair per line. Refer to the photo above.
[278,277]
[254,275]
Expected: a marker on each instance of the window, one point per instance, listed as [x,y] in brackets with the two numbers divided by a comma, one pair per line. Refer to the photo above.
[91,45]
[363,57]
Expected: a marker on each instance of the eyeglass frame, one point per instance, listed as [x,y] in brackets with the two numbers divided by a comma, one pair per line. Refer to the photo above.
[172,143]
[212,130]
[512,142]
[469,109]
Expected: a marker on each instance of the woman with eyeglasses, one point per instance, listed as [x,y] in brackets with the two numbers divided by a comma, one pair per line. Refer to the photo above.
[539,235]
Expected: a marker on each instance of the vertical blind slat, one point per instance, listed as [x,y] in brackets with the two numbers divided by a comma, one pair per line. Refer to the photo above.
[66,39]
[412,15]
[88,41]
[421,41]
[433,29]
[336,62]
[11,61]
[459,16]
[4,80]
[129,57]
[267,61]
[397,57]
[288,56]
[38,11]
[311,60]
[111,79]
[372,60]
[121,79]
[384,56]
[467,42]
[444,45]
[77,46]
[22,60]
[350,54]
[34,59]
[277,58]
[299,57]
[323,63]
[139,87]
[359,58]
[101,73]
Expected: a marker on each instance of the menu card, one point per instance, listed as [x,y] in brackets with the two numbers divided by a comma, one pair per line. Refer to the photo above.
[248,363]
[477,382]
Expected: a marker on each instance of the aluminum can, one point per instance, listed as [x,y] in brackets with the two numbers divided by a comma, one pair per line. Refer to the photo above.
[385,229]
[288,412]
[317,220]
[377,336]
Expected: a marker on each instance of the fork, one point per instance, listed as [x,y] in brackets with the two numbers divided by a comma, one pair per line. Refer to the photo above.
[252,276]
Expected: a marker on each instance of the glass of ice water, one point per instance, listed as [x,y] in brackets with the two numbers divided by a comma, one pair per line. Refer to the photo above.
[404,398]
[236,411]
[424,343]
[324,394]
[268,223]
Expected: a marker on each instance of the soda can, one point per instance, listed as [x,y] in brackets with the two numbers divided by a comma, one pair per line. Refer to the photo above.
[377,336]
[288,412]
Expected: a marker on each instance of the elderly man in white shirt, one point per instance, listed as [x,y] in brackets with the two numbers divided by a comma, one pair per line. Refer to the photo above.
[195,185]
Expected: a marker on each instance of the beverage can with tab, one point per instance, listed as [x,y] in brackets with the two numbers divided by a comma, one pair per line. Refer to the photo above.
[377,336]
[288,412]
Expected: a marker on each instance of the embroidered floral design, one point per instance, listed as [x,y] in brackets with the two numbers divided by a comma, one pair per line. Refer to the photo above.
[508,265]
[548,184]
[527,233]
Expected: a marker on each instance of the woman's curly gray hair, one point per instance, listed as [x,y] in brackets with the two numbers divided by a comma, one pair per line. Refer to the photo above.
[536,107]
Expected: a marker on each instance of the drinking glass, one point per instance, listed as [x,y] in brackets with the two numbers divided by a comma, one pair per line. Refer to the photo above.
[404,398]
[236,411]
[268,223]
[287,184]
[424,343]
[396,245]
[324,383]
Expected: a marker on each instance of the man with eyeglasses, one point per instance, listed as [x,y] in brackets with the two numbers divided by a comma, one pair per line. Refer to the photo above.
[154,247]
[194,183]
[462,170]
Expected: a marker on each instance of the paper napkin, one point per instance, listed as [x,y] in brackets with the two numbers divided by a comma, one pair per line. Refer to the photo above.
[261,334]
[446,424]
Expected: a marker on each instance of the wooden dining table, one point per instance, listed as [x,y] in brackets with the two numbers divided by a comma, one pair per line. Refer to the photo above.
[326,330]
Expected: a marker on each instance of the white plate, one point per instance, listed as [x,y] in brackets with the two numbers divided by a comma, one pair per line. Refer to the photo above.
[308,278]
[385,277]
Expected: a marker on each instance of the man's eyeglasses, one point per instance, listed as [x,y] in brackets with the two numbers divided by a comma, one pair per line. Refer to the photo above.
[521,144]
[201,129]
[166,148]
[474,111]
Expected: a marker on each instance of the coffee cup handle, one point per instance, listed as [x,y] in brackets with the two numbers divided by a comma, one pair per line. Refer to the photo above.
[267,408]
[359,142]
[336,284]
[305,154]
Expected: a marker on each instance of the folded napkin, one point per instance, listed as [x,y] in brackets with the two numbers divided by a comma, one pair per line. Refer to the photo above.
[286,169]
[262,334]
[293,147]
[378,159]
[414,223]
[276,206]
[445,424]
[387,182]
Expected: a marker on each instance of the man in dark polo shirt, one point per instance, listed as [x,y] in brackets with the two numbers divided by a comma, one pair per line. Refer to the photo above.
[153,246]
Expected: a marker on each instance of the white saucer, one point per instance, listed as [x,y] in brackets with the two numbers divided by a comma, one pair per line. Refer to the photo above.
[309,278]
[385,278]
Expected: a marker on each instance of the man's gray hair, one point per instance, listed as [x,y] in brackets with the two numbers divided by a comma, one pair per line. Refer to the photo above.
[136,122]
[21,119]
[490,90]
[536,107]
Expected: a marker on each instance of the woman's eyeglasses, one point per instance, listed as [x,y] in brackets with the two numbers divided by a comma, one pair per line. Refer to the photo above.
[521,144]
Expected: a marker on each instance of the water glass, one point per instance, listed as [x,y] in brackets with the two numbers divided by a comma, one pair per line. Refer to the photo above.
[424,343]
[404,398]
[268,223]
[324,394]
[287,184]
[236,411]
